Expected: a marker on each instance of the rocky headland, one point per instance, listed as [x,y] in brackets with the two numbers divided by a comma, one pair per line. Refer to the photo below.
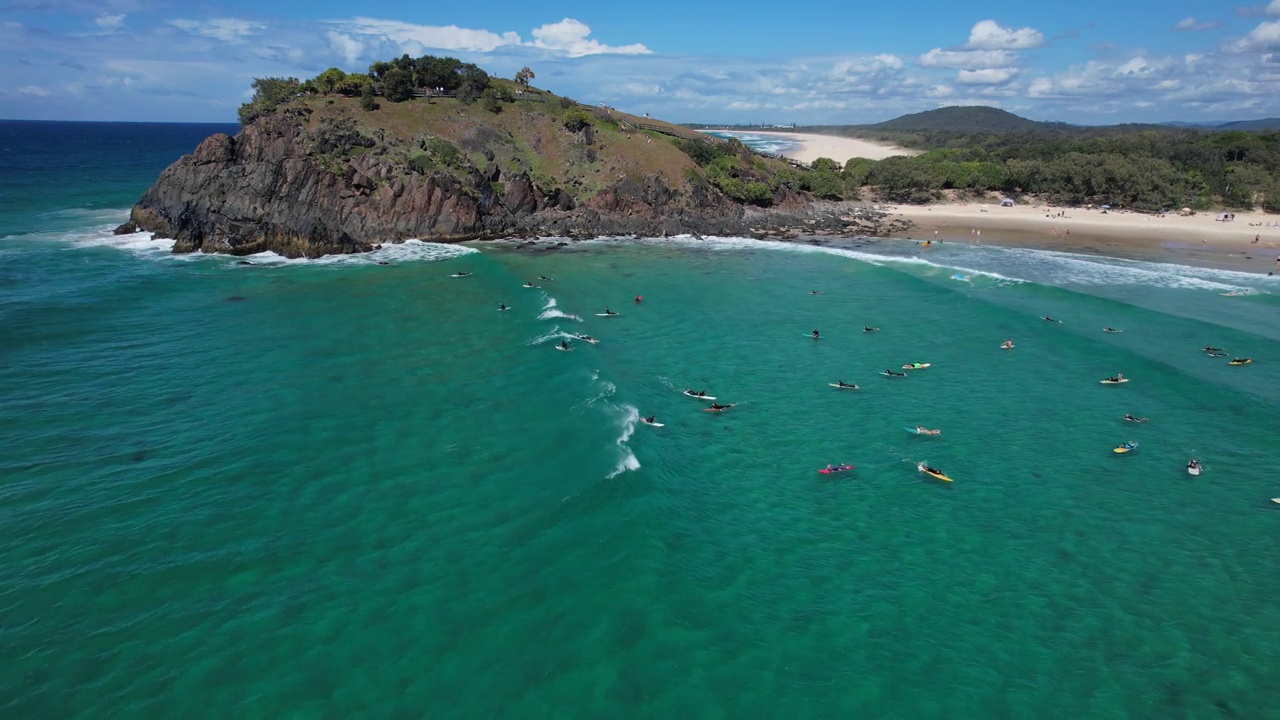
[322,174]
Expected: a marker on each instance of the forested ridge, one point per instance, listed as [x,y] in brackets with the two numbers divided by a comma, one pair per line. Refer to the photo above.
[1141,167]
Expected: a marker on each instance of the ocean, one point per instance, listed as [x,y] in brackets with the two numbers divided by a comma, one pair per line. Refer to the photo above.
[335,488]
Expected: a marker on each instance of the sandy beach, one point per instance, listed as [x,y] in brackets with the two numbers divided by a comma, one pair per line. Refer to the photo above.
[1197,239]
[810,147]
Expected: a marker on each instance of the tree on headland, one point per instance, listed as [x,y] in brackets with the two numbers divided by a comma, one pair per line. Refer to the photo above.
[524,76]
[330,81]
[268,94]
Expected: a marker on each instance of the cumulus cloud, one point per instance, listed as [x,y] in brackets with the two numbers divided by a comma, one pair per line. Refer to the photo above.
[1263,38]
[967,59]
[1190,24]
[988,35]
[570,37]
[347,47]
[225,29]
[988,76]
[34,90]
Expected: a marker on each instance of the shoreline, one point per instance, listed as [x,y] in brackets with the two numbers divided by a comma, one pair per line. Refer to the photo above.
[1198,240]
[810,146]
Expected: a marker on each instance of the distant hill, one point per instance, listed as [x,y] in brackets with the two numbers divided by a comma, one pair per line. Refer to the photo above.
[967,119]
[1263,125]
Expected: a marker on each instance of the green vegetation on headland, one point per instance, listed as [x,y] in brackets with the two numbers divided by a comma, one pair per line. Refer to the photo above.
[437,149]
[443,90]
[1142,167]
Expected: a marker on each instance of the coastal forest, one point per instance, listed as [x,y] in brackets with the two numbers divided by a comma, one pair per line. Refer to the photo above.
[1149,168]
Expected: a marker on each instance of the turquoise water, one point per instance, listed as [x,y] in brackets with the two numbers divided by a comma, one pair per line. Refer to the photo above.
[336,488]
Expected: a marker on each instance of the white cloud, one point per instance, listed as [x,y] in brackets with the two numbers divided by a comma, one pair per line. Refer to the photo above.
[225,29]
[570,37]
[988,76]
[348,47]
[988,35]
[1135,66]
[967,59]
[448,37]
[1273,8]
[1190,24]
[110,23]
[34,90]
[1262,38]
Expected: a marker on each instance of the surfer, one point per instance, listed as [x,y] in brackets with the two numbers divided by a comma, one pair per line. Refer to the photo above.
[870,329]
[1115,379]
[564,344]
[1110,329]
[502,306]
[1193,464]
[718,408]
[891,373]
[544,277]
[651,419]
[815,334]
[815,292]
[926,431]
[929,470]
[639,298]
[844,384]
[1213,350]
[586,338]
[700,393]
[1007,344]
[1131,418]
[1049,319]
[607,311]
[528,285]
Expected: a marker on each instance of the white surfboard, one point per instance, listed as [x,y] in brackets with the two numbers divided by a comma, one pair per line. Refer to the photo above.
[652,424]
[843,387]
[1114,382]
[697,397]
[566,349]
[608,314]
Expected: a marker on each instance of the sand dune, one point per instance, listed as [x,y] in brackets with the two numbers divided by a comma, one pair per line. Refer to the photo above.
[810,147]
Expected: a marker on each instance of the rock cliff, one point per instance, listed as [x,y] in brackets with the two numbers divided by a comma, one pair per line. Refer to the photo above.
[306,183]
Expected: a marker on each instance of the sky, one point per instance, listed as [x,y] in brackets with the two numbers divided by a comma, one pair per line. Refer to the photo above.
[845,62]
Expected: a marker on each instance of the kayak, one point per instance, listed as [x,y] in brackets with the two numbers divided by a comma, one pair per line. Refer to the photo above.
[1125,448]
[843,387]
[1241,361]
[719,409]
[836,469]
[696,396]
[892,375]
[933,474]
[916,366]
[1114,382]
[652,424]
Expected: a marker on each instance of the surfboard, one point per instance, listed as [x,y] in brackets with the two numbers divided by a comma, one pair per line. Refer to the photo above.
[1276,500]
[503,309]
[1193,470]
[1005,347]
[1122,449]
[531,287]
[719,409]
[921,366]
[607,314]
[843,387]
[1111,330]
[461,275]
[914,431]
[697,397]
[1114,382]
[836,469]
[1245,361]
[652,424]
[566,349]
[870,329]
[888,375]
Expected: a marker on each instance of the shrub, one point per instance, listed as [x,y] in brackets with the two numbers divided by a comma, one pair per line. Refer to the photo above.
[575,119]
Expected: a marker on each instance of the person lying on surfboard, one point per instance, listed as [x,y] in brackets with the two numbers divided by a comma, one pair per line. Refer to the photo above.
[869,329]
[1127,416]
[842,383]
[651,419]
[607,311]
[502,306]
[931,471]
[1117,378]
[926,431]
[1193,464]
[714,406]
[891,372]
[815,334]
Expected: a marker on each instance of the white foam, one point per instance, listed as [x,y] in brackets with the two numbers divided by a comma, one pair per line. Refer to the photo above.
[628,460]
[554,313]
[1075,269]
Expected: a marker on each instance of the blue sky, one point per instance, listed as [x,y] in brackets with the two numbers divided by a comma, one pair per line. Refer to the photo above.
[853,61]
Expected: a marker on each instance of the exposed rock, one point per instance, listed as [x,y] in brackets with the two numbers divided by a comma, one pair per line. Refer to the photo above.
[306,191]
